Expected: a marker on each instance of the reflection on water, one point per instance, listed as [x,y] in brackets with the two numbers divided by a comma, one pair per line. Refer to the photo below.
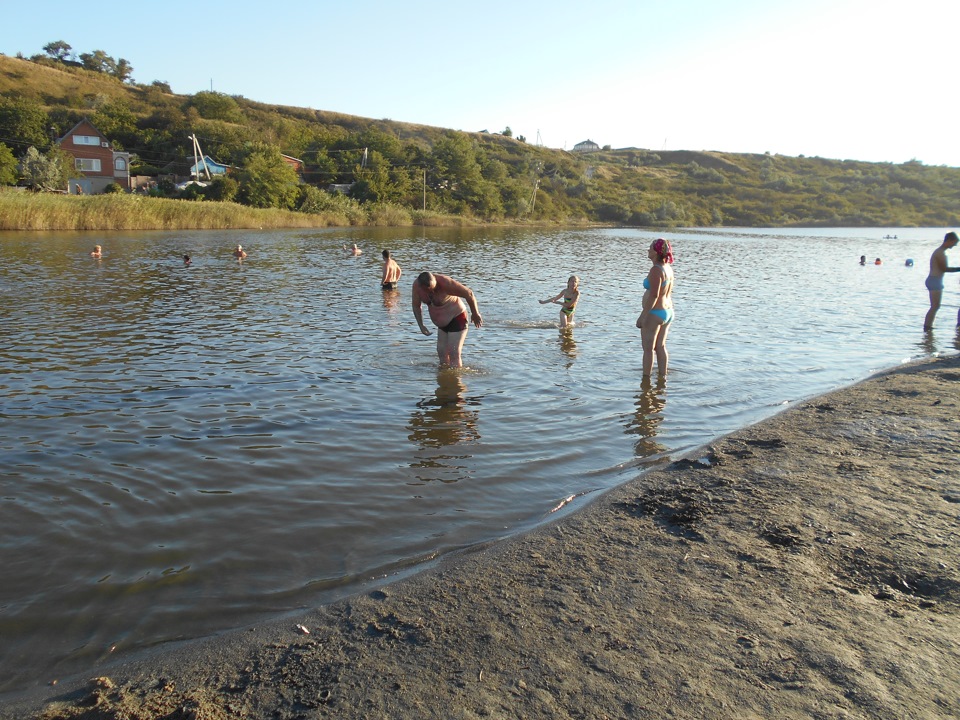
[443,427]
[647,417]
[932,341]
[391,299]
[568,346]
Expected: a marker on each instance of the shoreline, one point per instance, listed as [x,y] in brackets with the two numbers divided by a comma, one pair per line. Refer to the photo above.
[808,568]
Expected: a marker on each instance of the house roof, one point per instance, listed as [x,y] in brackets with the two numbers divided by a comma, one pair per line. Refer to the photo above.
[84,120]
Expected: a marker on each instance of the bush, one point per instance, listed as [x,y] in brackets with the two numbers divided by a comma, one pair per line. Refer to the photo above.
[319,202]
[113,188]
[222,189]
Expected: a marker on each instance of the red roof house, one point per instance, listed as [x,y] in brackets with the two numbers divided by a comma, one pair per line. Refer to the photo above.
[95,158]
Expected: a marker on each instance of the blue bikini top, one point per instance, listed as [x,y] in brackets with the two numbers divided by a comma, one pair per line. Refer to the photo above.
[646,283]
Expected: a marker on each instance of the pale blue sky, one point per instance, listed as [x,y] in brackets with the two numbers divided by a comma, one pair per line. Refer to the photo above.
[849,79]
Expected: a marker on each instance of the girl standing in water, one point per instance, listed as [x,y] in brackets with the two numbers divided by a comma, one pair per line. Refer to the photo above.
[570,295]
[657,314]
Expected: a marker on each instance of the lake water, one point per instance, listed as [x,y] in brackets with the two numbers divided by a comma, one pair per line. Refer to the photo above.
[187,450]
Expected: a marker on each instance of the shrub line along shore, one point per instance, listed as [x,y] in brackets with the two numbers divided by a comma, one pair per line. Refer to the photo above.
[27,211]
[803,567]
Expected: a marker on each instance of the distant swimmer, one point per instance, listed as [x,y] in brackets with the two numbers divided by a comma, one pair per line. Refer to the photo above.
[878,261]
[657,313]
[571,296]
[354,251]
[239,253]
[97,251]
[391,272]
[186,261]
[444,297]
[863,259]
[934,281]
[909,262]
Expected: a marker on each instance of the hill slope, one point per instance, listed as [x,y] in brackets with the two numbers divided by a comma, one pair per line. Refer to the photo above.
[483,175]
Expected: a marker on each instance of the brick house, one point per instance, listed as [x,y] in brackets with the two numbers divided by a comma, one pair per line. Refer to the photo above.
[295,163]
[94,157]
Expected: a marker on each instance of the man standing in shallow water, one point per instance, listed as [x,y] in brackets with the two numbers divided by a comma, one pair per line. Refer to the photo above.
[934,281]
[391,272]
[444,297]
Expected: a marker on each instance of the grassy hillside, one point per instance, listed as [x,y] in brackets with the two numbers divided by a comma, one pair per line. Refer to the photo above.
[476,175]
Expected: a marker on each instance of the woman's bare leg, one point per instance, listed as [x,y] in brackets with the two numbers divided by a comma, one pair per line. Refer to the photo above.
[648,336]
[663,357]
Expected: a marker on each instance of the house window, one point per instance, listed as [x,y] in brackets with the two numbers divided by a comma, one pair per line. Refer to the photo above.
[88,165]
[86,140]
[120,164]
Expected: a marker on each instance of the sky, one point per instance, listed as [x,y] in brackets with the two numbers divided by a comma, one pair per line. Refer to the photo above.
[871,80]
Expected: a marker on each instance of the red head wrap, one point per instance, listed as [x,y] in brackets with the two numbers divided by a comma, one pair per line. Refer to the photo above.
[663,249]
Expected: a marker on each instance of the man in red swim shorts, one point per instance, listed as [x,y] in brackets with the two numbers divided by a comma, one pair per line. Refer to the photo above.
[444,297]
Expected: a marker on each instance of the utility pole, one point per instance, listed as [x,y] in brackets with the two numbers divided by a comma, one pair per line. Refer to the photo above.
[198,157]
[424,189]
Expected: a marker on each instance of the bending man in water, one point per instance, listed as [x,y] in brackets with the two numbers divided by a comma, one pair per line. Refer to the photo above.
[444,297]
[934,281]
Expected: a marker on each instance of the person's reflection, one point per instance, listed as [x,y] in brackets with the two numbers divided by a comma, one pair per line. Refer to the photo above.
[440,422]
[647,416]
[926,345]
[568,346]
[391,298]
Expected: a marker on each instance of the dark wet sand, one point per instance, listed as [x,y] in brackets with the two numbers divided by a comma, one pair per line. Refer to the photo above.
[812,570]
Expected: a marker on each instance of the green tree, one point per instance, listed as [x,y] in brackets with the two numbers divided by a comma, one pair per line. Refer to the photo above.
[266,180]
[58,50]
[23,121]
[122,70]
[50,172]
[456,174]
[221,189]
[115,120]
[216,106]
[8,166]
[98,61]
[379,181]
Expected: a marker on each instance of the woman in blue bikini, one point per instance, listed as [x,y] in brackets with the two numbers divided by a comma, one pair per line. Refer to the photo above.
[657,314]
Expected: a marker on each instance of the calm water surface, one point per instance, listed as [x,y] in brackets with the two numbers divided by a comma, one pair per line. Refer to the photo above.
[185,450]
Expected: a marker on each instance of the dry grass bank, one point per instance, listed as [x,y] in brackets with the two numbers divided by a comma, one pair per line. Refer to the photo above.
[21,210]
[30,211]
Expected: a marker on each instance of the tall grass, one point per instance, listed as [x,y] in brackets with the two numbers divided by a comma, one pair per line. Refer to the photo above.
[32,211]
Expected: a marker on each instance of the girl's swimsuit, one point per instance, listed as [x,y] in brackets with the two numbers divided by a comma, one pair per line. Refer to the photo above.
[568,310]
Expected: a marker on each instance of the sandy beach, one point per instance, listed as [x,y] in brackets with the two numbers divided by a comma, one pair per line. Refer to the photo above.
[804,567]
